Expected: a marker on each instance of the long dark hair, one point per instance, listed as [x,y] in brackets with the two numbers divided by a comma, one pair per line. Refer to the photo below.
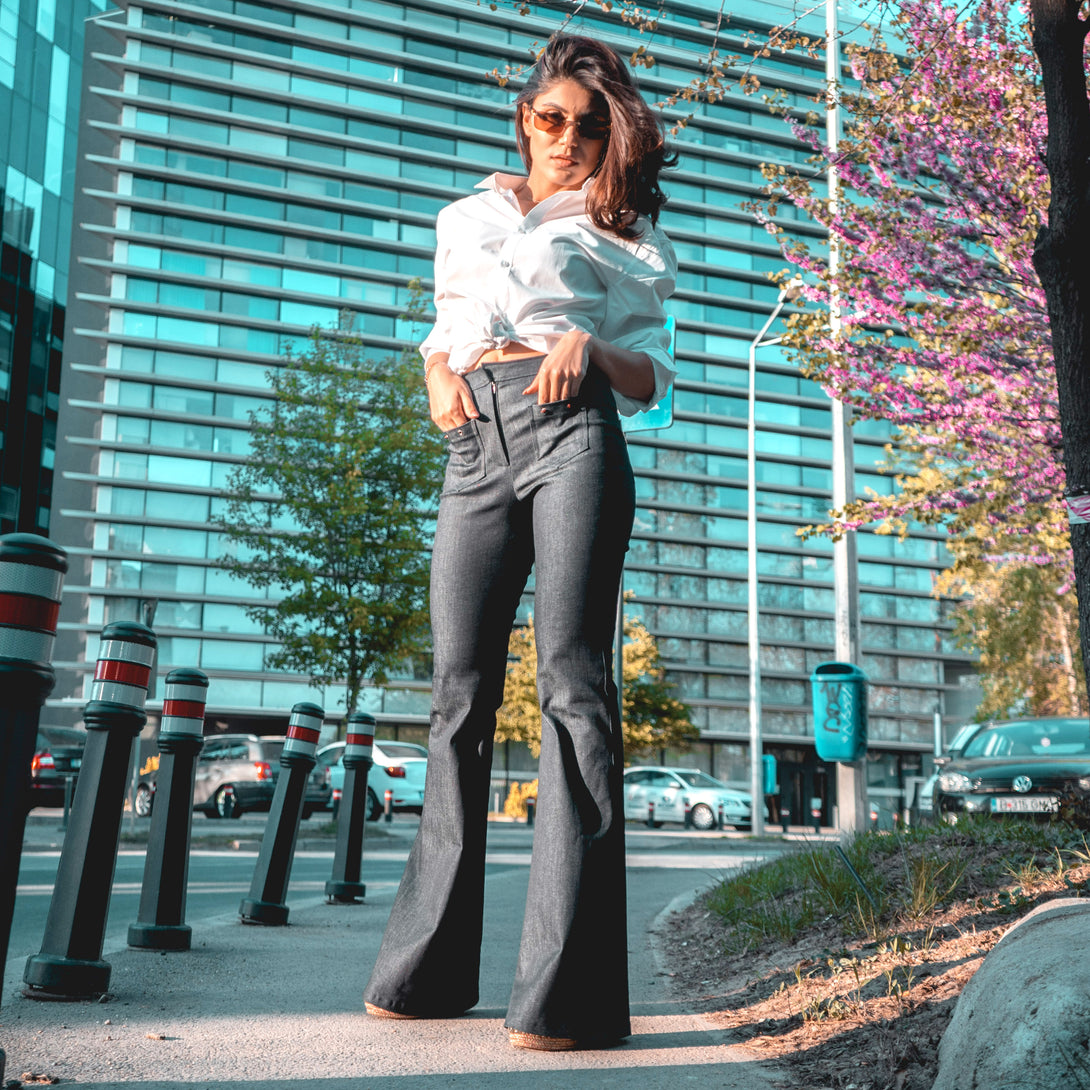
[627,179]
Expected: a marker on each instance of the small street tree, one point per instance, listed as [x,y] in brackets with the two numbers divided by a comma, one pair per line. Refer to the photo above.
[1024,629]
[331,514]
[653,717]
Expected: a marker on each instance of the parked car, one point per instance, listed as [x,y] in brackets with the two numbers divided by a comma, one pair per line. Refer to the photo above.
[672,790]
[237,773]
[398,766]
[925,796]
[58,754]
[1016,767]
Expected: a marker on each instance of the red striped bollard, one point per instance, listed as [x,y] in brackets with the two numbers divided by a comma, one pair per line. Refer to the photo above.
[269,887]
[70,964]
[345,887]
[160,920]
[31,574]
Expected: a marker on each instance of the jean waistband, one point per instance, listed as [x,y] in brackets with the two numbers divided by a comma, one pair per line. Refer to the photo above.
[521,370]
[595,389]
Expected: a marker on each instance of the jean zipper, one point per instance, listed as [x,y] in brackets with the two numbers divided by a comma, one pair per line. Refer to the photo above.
[496,416]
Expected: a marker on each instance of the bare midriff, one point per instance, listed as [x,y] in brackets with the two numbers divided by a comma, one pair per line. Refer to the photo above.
[513,351]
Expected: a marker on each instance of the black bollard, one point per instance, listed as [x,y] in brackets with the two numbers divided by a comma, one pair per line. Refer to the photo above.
[388,805]
[531,809]
[687,819]
[70,964]
[785,813]
[651,815]
[721,818]
[31,573]
[269,888]
[160,920]
[344,886]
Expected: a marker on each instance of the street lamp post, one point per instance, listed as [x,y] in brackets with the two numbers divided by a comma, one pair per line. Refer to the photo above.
[851,778]
[789,292]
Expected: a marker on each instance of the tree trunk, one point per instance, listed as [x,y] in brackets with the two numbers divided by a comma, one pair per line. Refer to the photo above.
[1062,254]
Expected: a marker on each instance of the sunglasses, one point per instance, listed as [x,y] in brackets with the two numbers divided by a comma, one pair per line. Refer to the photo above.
[588,127]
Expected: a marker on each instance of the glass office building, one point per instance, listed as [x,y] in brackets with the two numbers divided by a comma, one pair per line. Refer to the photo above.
[249,169]
[41,48]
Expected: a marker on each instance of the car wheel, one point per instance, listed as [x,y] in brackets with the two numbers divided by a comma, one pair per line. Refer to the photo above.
[142,802]
[308,812]
[224,803]
[702,817]
[374,810]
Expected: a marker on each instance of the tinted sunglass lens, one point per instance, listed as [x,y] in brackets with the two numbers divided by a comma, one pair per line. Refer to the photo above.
[554,124]
[593,130]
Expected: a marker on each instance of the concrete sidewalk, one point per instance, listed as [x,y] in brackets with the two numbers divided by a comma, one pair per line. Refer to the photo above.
[281,1007]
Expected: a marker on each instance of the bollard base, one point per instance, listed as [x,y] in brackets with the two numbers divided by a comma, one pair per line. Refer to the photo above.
[48,976]
[155,936]
[345,893]
[263,912]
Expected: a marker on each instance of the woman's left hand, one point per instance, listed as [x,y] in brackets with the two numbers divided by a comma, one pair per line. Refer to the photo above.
[562,370]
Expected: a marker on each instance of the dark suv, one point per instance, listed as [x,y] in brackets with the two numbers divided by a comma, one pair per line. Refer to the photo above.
[237,773]
[58,754]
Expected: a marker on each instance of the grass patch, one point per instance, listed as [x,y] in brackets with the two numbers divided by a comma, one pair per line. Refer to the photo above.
[900,878]
[848,975]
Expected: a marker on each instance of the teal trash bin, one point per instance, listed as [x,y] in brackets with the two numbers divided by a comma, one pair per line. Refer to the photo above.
[768,763]
[840,711]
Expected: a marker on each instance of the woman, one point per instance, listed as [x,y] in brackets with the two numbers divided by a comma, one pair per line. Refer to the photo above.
[548,293]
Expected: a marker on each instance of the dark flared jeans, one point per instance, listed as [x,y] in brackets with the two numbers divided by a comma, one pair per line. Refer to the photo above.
[548,487]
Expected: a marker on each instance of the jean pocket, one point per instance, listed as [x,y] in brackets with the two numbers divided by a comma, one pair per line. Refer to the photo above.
[560,430]
[465,457]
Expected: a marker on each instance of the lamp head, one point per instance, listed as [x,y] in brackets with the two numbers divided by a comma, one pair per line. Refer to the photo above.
[790,291]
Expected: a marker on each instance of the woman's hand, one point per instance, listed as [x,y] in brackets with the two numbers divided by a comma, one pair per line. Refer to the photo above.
[562,370]
[449,397]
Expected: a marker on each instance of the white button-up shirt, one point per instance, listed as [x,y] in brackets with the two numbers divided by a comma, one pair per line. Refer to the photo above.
[502,277]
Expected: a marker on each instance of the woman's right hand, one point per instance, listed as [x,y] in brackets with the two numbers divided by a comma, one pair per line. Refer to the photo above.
[449,397]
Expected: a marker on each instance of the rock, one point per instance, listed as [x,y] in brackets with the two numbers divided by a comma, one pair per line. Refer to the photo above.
[1023,1020]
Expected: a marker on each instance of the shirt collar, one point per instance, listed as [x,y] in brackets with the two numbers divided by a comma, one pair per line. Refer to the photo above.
[504,186]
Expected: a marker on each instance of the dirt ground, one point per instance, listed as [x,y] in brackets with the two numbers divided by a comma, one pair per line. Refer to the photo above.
[843,1013]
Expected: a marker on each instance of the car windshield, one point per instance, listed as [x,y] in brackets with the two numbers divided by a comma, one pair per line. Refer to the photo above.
[331,754]
[402,749]
[1035,738]
[699,779]
[60,736]
[962,738]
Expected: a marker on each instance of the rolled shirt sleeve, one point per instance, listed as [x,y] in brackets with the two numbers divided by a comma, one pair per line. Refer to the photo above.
[440,337]
[635,317]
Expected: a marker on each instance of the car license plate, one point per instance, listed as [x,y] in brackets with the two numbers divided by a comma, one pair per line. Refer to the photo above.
[1038,804]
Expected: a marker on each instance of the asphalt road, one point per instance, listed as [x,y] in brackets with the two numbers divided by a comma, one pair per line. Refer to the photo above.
[280,1008]
[220,875]
[218,880]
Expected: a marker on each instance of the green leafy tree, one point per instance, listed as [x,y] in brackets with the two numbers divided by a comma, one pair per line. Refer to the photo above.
[653,717]
[333,510]
[1024,626]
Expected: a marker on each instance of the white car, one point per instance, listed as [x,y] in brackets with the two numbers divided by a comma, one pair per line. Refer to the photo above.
[398,766]
[675,790]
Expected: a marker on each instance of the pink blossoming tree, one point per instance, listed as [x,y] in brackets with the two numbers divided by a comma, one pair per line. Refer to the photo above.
[945,324]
